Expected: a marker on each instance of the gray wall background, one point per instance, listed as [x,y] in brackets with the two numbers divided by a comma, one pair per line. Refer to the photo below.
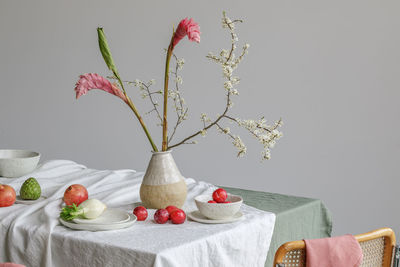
[330,69]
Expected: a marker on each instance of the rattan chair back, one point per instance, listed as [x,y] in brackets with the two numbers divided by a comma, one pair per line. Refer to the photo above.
[377,247]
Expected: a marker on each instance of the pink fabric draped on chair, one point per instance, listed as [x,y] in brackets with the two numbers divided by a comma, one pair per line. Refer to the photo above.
[340,251]
[9,264]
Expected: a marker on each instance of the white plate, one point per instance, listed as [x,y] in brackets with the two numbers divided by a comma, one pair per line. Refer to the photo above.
[198,217]
[99,227]
[19,200]
[109,216]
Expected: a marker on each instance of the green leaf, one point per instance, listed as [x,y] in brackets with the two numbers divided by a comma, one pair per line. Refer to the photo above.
[70,212]
[106,52]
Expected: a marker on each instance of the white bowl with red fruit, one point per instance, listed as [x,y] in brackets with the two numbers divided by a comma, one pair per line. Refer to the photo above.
[221,206]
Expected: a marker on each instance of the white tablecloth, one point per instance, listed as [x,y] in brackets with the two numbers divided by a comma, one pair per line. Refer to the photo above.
[32,234]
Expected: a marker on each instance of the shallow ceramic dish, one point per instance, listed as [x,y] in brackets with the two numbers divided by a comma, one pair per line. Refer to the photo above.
[99,227]
[16,163]
[217,211]
[109,216]
[198,217]
[19,200]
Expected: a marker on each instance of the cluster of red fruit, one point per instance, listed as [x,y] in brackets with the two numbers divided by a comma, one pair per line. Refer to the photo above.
[219,196]
[176,215]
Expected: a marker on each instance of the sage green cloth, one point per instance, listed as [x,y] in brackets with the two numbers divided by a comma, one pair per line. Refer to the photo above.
[296,217]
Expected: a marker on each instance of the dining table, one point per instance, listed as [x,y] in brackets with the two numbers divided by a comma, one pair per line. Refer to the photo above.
[31,234]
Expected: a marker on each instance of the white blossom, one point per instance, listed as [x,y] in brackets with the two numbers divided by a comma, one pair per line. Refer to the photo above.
[227,71]
[235,80]
[214,58]
[228,85]
[204,118]
[266,135]
[225,130]
[224,53]
[180,62]
[137,82]
[266,154]
[234,37]
[227,22]
[179,79]
[172,94]
[238,143]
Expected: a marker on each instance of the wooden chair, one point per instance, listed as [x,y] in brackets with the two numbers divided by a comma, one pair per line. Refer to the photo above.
[377,247]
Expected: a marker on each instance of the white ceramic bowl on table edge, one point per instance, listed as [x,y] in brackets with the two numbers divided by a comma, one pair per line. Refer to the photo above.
[217,211]
[16,163]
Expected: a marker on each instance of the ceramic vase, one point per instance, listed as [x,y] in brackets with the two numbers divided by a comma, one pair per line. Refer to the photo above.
[162,184]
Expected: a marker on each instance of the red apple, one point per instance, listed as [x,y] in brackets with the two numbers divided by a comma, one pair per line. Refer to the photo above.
[7,195]
[161,216]
[178,216]
[220,195]
[212,201]
[141,213]
[171,209]
[75,193]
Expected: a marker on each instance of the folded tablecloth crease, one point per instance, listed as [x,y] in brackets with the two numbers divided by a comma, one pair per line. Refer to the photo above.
[32,234]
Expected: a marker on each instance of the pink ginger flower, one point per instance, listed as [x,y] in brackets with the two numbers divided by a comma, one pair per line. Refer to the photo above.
[91,81]
[189,28]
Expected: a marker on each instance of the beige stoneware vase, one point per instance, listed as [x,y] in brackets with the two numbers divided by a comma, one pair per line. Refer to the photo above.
[163,184]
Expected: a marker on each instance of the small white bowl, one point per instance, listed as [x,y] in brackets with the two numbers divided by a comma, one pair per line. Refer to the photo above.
[16,163]
[217,211]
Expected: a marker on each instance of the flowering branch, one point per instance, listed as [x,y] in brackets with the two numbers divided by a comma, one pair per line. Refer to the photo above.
[145,92]
[266,135]
[145,88]
[179,103]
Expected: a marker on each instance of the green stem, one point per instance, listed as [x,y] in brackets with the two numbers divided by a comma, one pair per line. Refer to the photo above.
[166,79]
[133,108]
[136,112]
[70,212]
[76,214]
